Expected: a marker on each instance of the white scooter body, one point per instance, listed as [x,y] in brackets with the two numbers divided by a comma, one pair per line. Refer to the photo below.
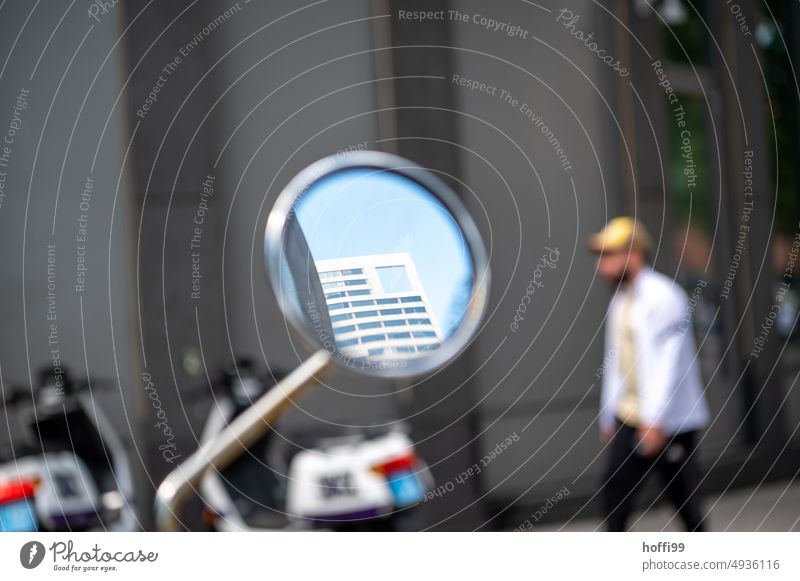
[342,480]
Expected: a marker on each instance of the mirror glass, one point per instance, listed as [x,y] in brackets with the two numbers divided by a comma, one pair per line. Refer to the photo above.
[377,266]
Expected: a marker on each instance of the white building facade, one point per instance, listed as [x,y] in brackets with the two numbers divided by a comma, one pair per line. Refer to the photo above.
[378,306]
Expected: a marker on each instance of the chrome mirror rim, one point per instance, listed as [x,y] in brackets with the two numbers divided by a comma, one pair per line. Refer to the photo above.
[273,241]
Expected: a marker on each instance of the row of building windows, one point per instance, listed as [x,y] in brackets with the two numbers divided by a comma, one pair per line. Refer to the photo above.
[368,303]
[383,337]
[344,283]
[378,325]
[367,314]
[356,293]
[364,292]
[337,273]
[352,293]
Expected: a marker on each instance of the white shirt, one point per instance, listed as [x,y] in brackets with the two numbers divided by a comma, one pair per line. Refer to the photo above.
[667,366]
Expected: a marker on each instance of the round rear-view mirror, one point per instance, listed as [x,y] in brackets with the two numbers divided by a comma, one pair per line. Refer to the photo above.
[376,261]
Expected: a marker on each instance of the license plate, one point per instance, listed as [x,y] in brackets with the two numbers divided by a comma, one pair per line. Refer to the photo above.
[18,517]
[406,488]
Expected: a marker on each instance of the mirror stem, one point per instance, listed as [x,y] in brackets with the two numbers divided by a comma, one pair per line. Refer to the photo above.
[234,440]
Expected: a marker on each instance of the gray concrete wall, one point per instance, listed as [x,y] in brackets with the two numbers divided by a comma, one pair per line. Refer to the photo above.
[537,375]
[73,130]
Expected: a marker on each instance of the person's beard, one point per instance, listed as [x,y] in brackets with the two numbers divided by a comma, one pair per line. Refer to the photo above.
[622,279]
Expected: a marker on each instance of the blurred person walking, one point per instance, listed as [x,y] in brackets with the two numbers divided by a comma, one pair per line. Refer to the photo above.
[652,404]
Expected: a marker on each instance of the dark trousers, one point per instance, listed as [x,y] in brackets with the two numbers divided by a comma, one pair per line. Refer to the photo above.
[628,469]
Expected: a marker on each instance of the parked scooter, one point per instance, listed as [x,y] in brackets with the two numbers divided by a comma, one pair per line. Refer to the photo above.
[361,481]
[72,473]
[376,263]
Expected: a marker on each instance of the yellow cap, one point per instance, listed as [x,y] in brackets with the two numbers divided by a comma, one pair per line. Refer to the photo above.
[621,233]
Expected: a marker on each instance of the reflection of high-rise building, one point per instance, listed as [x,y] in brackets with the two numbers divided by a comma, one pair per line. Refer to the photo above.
[378,306]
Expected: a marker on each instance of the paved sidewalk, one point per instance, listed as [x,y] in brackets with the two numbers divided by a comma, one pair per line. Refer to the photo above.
[772,507]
